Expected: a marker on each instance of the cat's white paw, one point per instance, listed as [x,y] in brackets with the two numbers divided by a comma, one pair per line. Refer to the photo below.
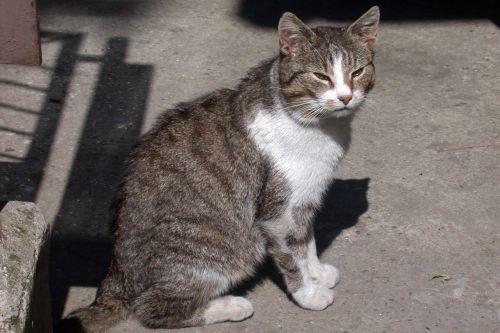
[313,297]
[239,308]
[326,275]
[227,308]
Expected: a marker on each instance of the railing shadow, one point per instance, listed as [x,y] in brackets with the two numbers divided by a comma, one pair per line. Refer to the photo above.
[22,180]
[80,248]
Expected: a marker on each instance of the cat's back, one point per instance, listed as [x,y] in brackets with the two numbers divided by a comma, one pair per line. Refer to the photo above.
[197,159]
[199,127]
[204,139]
[190,120]
[222,113]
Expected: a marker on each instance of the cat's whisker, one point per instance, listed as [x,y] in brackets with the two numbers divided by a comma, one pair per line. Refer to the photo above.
[310,112]
[310,116]
[301,104]
[319,111]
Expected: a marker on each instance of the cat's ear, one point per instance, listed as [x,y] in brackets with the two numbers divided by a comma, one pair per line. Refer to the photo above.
[366,27]
[293,32]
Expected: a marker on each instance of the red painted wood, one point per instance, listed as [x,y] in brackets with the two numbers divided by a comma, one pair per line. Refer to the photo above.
[19,33]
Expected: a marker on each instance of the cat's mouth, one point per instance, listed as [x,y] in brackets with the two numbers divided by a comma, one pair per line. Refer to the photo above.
[340,112]
[346,109]
[339,108]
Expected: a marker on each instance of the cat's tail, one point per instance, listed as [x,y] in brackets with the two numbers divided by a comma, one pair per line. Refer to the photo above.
[96,318]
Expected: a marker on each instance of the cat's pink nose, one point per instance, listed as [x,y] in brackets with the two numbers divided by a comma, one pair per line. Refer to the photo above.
[345,99]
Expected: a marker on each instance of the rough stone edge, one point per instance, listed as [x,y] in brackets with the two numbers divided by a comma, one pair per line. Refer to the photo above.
[34,298]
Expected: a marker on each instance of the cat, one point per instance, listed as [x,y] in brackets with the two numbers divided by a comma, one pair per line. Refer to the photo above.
[223,181]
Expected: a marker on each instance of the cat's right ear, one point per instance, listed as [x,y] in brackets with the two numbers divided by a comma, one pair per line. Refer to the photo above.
[366,27]
[293,32]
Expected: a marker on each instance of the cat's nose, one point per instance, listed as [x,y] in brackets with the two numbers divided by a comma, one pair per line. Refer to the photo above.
[345,99]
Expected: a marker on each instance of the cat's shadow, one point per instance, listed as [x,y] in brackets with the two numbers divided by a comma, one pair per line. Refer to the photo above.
[344,203]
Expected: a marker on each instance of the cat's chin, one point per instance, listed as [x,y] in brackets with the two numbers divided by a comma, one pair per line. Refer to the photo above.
[339,113]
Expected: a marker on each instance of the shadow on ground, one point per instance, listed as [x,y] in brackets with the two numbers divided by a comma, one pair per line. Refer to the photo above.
[267,12]
[80,247]
[103,8]
[345,202]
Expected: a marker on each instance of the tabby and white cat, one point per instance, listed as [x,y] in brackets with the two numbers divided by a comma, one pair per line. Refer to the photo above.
[223,181]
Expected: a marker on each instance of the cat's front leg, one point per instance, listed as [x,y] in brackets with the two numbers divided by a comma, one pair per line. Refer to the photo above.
[323,274]
[311,295]
[288,240]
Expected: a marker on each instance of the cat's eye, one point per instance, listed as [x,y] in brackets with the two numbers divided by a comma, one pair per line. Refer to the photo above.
[357,72]
[322,77]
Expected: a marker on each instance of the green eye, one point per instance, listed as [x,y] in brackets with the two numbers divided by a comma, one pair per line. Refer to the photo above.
[322,77]
[357,72]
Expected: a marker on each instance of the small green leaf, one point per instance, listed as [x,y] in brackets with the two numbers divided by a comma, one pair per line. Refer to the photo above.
[444,277]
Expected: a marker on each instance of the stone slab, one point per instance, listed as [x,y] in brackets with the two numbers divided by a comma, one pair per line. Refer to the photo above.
[24,295]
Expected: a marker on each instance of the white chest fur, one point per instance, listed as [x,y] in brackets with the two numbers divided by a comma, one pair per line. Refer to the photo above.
[306,156]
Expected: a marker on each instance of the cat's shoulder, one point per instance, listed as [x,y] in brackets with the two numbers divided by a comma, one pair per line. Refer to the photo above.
[206,105]
[205,102]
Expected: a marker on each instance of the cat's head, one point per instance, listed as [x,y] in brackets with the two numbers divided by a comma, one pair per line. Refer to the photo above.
[326,71]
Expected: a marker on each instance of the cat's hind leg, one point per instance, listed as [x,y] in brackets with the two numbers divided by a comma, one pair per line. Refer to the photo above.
[167,306]
[192,279]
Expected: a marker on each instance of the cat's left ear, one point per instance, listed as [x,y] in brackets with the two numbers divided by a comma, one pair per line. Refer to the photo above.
[366,27]
[293,34]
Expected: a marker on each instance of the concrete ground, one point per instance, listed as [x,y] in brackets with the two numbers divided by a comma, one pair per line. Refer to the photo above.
[418,194]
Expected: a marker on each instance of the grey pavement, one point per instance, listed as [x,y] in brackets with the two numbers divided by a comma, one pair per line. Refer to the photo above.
[417,195]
